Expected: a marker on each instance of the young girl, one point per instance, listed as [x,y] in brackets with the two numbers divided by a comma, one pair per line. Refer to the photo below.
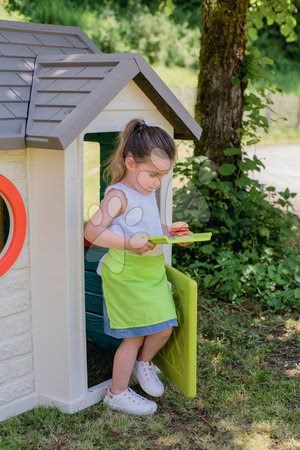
[138,304]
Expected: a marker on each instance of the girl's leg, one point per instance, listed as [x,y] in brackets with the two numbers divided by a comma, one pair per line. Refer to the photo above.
[153,343]
[124,360]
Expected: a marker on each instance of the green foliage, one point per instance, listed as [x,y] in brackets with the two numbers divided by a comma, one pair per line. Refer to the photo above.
[167,32]
[247,258]
[274,38]
[154,36]
[130,26]
[280,12]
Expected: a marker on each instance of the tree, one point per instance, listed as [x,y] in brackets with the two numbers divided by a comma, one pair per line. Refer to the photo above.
[219,105]
[229,29]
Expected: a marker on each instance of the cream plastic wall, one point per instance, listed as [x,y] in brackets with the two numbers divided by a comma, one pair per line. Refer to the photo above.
[16,350]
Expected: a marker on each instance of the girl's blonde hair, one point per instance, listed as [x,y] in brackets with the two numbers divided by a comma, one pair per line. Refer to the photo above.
[138,140]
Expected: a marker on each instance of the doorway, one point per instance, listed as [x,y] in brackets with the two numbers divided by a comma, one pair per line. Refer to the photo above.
[100,347]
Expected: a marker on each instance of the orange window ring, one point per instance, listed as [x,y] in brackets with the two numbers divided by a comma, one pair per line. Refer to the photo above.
[18,224]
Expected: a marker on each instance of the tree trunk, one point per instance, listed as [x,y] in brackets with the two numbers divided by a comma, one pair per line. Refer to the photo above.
[219,105]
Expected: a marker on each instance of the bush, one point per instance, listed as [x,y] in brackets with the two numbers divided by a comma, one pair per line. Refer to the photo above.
[248,257]
[156,36]
[116,28]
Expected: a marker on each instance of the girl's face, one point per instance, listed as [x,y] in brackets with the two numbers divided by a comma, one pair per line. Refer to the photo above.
[146,176]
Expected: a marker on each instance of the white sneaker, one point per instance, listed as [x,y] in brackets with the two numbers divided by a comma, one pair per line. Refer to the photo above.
[146,374]
[130,402]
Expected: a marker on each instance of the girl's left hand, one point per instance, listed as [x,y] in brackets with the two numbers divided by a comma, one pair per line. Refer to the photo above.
[180,229]
[184,233]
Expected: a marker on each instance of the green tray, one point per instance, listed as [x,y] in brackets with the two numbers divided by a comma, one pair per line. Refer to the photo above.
[178,239]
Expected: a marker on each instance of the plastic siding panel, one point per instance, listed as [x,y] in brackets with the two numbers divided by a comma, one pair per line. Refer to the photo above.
[54,85]
[40,128]
[92,256]
[93,282]
[16,94]
[5,113]
[94,324]
[15,79]
[76,41]
[53,99]
[72,51]
[16,50]
[17,64]
[19,110]
[20,37]
[45,50]
[2,38]
[94,303]
[53,40]
[74,72]
[11,127]
[50,113]
[59,72]
[89,86]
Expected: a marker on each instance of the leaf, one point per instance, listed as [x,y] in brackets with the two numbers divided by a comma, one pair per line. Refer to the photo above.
[200,158]
[235,81]
[291,21]
[247,165]
[227,169]
[285,29]
[252,33]
[268,60]
[264,232]
[232,151]
[275,303]
[243,180]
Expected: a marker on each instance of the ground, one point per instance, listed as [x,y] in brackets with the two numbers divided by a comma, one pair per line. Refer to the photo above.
[248,396]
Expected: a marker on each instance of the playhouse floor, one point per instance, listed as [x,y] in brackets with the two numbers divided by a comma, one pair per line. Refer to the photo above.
[99,364]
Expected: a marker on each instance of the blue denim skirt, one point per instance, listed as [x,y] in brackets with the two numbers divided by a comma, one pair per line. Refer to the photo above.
[137,331]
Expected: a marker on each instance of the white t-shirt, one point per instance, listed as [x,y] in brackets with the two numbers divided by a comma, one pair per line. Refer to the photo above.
[141,215]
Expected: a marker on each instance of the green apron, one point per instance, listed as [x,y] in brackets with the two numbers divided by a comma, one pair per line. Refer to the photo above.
[136,290]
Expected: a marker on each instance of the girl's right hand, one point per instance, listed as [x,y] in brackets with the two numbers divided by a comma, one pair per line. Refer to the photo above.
[139,244]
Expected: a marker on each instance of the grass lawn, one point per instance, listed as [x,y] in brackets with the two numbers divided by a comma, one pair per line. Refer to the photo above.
[248,396]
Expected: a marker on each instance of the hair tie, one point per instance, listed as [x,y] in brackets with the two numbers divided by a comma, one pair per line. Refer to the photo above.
[140,126]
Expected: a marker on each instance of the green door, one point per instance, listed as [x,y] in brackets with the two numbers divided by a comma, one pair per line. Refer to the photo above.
[178,358]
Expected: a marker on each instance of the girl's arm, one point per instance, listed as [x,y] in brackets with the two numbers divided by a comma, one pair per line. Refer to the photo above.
[97,229]
[113,205]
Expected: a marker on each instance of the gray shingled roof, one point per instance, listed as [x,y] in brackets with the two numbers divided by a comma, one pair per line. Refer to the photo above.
[20,44]
[71,86]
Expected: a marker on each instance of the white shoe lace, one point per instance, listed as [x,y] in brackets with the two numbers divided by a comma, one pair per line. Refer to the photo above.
[134,396]
[150,370]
